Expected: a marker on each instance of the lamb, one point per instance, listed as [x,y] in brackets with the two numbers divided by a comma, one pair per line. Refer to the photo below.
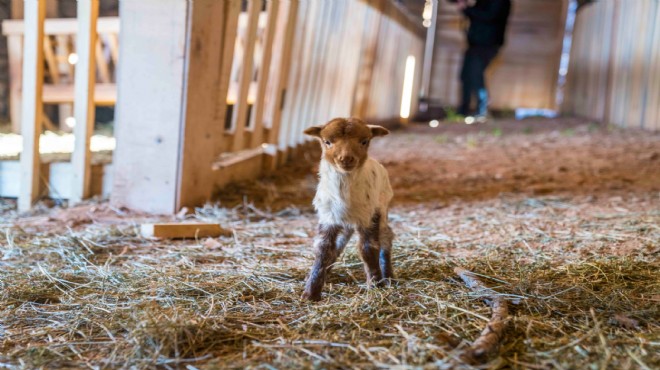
[354,193]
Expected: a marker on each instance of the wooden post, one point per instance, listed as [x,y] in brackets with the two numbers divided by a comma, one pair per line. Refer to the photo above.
[169,86]
[201,128]
[33,76]
[85,79]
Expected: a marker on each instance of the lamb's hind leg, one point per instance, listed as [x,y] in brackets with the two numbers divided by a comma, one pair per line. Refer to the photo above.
[369,245]
[386,237]
[326,254]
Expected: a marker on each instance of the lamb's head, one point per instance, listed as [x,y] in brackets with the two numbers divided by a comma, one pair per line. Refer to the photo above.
[345,141]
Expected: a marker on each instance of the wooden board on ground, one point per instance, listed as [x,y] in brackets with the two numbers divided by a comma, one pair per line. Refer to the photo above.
[182,231]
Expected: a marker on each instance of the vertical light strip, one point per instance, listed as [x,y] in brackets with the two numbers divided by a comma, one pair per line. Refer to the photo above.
[406,98]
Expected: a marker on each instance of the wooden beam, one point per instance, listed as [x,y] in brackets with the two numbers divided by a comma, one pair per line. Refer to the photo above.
[183,230]
[395,11]
[85,79]
[104,94]
[33,76]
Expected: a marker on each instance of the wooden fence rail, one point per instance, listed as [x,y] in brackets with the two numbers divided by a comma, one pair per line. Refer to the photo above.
[614,71]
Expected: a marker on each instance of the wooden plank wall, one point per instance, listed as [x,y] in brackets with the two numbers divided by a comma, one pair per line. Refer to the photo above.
[238,101]
[614,70]
[525,72]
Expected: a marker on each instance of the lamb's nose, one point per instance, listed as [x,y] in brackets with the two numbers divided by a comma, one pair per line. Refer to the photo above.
[347,160]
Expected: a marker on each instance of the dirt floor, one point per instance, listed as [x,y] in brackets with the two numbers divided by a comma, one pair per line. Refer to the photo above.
[561,217]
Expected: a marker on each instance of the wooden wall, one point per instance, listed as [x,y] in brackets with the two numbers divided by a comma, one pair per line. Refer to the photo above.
[614,71]
[213,91]
[525,72]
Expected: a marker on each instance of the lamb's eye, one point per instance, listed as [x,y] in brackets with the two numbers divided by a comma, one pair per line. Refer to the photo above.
[365,142]
[327,142]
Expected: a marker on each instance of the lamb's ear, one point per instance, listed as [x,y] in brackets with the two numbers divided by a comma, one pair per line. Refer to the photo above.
[378,130]
[314,131]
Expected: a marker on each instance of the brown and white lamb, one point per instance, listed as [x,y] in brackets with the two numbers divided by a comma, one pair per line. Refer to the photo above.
[353,193]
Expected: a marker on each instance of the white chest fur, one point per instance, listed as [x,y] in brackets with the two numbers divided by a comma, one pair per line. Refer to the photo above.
[352,198]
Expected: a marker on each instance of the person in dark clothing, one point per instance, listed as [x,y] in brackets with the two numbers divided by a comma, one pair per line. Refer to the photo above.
[488,19]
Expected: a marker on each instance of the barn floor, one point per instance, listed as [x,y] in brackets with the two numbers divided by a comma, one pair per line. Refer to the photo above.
[560,216]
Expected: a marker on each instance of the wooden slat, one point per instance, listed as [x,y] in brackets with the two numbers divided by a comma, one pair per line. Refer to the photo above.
[298,78]
[314,79]
[652,118]
[15,50]
[311,57]
[51,62]
[608,96]
[230,31]
[285,68]
[113,44]
[367,60]
[101,62]
[247,64]
[264,74]
[61,26]
[33,72]
[63,52]
[87,13]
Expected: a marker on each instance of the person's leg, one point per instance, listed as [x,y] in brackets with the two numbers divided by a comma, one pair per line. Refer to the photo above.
[467,88]
[486,56]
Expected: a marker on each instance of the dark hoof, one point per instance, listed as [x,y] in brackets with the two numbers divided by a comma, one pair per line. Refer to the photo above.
[309,296]
[385,283]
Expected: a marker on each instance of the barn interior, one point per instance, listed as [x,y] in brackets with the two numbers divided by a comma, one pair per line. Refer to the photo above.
[116,115]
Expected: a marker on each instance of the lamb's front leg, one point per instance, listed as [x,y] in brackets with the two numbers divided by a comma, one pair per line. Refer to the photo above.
[369,248]
[326,254]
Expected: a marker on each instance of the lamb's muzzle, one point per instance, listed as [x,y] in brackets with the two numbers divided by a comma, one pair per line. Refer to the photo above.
[354,193]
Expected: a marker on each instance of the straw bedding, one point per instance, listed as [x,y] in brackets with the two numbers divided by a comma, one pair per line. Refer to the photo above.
[580,274]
